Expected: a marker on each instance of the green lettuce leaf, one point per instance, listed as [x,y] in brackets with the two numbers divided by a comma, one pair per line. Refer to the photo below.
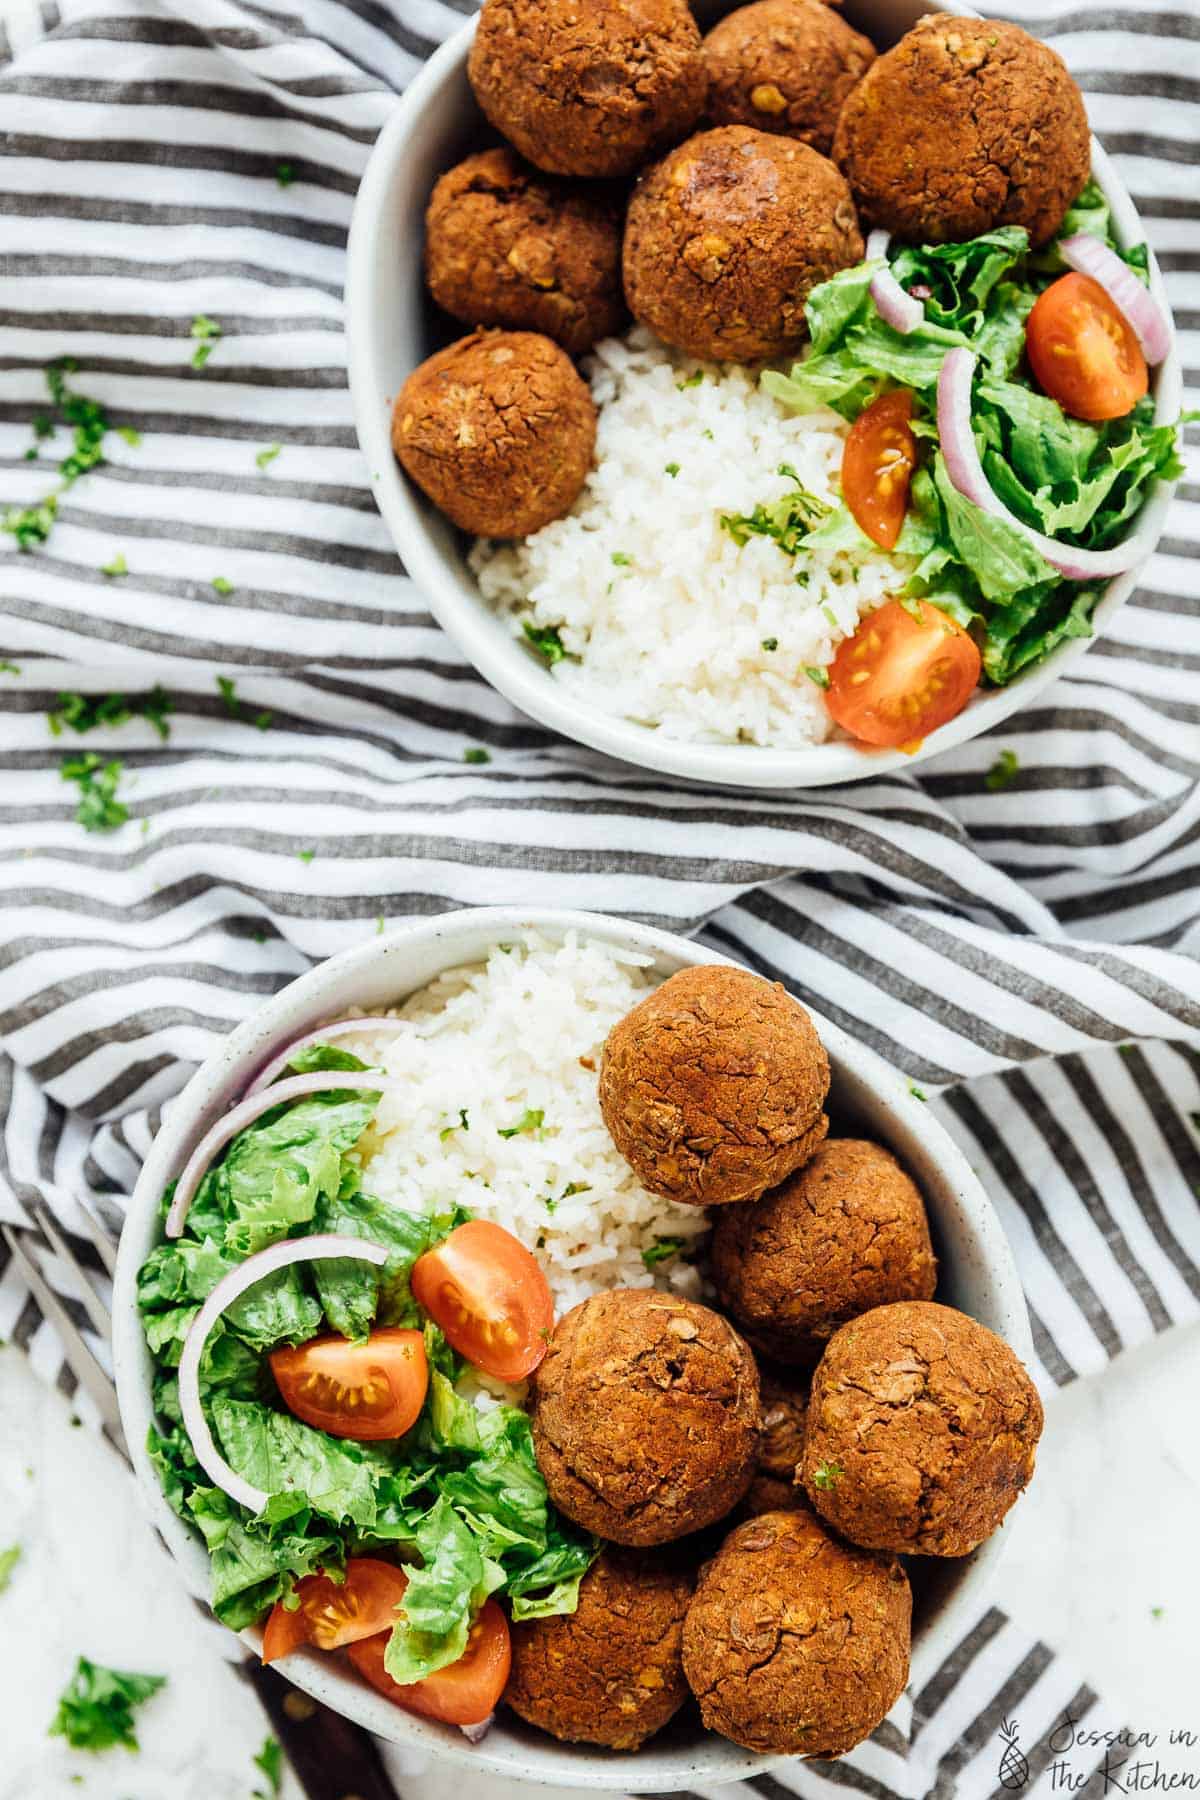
[444,1593]
[282,1455]
[353,1294]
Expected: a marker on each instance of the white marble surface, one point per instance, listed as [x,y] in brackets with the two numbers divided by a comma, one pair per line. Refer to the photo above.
[1105,1537]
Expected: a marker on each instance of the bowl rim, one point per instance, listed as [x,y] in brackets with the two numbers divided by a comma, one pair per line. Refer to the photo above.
[304,1002]
[509,668]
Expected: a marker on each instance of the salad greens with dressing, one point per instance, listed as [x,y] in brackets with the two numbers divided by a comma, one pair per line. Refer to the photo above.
[1080,483]
[458,1501]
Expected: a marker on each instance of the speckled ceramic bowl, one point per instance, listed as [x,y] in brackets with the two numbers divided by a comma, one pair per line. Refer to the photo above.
[393,325]
[977,1274]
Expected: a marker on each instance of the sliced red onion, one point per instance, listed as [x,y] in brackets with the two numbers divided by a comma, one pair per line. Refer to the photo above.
[966,472]
[323,1035]
[1150,324]
[475,1733]
[245,1113]
[228,1289]
[897,308]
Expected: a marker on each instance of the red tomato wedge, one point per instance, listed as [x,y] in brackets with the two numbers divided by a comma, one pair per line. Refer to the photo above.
[365,1391]
[331,1614]
[877,467]
[490,1298]
[902,674]
[466,1693]
[1083,351]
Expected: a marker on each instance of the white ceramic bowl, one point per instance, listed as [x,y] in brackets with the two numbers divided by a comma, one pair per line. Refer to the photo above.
[977,1274]
[393,326]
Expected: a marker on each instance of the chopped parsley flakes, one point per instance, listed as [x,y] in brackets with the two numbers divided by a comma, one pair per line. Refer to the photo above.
[530,1121]
[97,781]
[1002,771]
[88,421]
[660,1251]
[819,677]
[770,643]
[691,381]
[95,1710]
[207,331]
[89,712]
[671,469]
[545,640]
[8,1561]
[621,560]
[787,520]
[270,1761]
[826,1476]
[222,585]
[464,1123]
[118,566]
[267,455]
[477,755]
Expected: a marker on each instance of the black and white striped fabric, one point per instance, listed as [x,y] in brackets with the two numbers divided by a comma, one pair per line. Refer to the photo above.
[1030,957]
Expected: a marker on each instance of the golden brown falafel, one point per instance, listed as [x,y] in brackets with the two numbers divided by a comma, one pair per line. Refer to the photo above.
[784,1408]
[726,237]
[713,1086]
[507,245]
[498,430]
[796,1643]
[588,87]
[784,66]
[845,1233]
[922,1430]
[611,1672]
[965,125]
[646,1416]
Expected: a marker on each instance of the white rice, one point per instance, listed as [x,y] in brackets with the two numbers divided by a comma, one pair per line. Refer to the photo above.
[498,1041]
[674,636]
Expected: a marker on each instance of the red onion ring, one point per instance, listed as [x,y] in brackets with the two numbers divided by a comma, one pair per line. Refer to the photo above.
[475,1733]
[966,472]
[245,1113]
[228,1289]
[324,1034]
[1146,317]
[896,308]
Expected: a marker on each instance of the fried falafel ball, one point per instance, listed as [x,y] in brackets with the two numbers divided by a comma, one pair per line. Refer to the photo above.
[646,1417]
[498,429]
[965,125]
[727,235]
[922,1430]
[611,1672]
[713,1086]
[796,1643]
[588,87]
[784,66]
[784,1409]
[506,245]
[845,1233]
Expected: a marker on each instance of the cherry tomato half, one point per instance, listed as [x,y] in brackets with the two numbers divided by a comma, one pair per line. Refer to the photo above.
[490,1298]
[902,674]
[1083,351]
[466,1692]
[877,467]
[331,1614]
[365,1391]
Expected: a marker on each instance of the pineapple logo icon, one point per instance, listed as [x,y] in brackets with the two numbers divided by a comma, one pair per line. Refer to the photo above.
[1014,1770]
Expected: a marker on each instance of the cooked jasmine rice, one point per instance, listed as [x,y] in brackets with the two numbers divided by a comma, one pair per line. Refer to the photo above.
[498,1111]
[672,623]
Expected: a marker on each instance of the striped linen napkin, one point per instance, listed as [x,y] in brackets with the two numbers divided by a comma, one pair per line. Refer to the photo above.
[1026,953]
